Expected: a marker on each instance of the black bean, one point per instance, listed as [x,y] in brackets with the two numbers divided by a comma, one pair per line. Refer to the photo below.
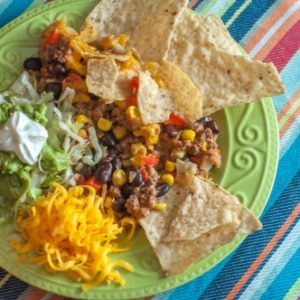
[162,189]
[117,163]
[127,190]
[60,71]
[171,131]
[119,204]
[138,179]
[87,171]
[204,120]
[104,171]
[109,140]
[55,88]
[32,63]
[213,126]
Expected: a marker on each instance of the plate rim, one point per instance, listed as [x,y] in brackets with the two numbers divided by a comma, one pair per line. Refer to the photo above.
[268,106]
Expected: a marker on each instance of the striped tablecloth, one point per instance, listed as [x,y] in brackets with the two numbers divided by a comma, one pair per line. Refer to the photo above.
[266,265]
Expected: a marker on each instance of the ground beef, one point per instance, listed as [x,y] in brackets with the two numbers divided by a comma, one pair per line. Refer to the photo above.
[141,201]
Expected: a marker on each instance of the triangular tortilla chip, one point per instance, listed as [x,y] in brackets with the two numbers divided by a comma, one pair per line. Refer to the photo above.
[206,207]
[104,80]
[177,255]
[223,79]
[155,104]
[150,24]
[186,96]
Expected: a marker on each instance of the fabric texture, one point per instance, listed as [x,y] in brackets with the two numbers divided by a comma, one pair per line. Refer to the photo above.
[267,264]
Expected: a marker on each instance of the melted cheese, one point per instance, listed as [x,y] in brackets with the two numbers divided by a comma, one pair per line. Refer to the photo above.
[72,231]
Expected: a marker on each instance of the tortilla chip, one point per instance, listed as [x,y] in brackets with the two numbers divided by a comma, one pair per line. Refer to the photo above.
[101,77]
[185,172]
[186,96]
[176,256]
[216,32]
[104,80]
[206,207]
[150,24]
[223,79]
[155,104]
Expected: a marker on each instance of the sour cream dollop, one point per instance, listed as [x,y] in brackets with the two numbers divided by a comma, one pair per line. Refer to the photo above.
[23,136]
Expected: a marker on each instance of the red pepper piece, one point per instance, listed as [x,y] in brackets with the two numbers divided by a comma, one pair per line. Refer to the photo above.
[144,173]
[92,181]
[135,82]
[175,120]
[52,38]
[150,160]
[131,100]
[73,77]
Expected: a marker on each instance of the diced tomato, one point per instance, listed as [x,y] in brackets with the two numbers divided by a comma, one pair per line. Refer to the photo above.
[144,173]
[73,77]
[150,160]
[175,120]
[52,38]
[197,160]
[92,181]
[131,100]
[135,82]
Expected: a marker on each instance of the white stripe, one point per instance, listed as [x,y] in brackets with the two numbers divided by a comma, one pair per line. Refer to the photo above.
[273,29]
[289,137]
[274,265]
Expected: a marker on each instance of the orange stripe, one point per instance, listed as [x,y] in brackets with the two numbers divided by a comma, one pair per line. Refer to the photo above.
[269,247]
[287,106]
[192,4]
[289,122]
[278,35]
[263,29]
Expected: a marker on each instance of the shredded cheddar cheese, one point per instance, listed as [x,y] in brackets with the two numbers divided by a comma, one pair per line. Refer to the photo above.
[74,231]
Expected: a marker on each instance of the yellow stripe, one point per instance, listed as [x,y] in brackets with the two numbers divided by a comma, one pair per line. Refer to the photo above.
[4,279]
[238,12]
[291,110]
[293,292]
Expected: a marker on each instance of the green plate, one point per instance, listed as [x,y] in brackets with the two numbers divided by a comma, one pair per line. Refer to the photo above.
[249,144]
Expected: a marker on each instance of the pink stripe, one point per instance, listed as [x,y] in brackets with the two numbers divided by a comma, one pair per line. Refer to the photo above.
[286,48]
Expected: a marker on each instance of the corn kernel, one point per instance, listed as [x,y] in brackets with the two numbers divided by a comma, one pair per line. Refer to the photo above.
[160,82]
[119,132]
[83,133]
[137,132]
[160,206]
[136,161]
[170,166]
[126,163]
[188,135]
[108,202]
[119,177]
[122,39]
[132,112]
[82,119]
[138,149]
[121,104]
[104,124]
[168,179]
[203,146]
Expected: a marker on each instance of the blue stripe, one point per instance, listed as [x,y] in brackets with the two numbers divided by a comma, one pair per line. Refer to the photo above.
[232,9]
[15,9]
[285,280]
[254,244]
[13,288]
[289,165]
[248,17]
